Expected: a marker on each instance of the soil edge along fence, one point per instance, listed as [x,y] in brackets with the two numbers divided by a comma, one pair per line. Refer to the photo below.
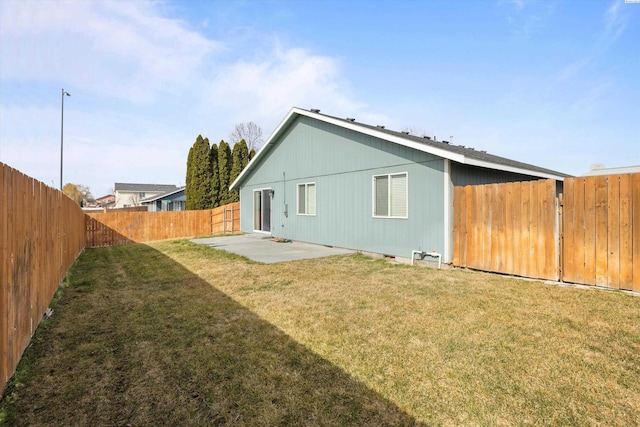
[117,228]
[42,234]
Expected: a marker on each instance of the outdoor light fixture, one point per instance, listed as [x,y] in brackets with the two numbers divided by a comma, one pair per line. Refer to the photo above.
[62,133]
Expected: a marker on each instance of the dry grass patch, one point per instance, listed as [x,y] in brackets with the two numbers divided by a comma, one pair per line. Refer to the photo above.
[176,331]
[453,347]
[137,339]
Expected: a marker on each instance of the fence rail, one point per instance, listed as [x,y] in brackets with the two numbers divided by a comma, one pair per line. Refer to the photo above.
[117,228]
[42,234]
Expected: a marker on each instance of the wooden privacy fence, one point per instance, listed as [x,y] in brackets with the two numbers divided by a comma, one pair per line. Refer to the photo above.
[42,233]
[508,228]
[589,235]
[601,235]
[117,228]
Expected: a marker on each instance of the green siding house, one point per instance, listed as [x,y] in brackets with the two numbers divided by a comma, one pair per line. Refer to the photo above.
[338,182]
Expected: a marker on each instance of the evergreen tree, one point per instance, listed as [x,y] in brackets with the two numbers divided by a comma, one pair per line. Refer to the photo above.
[215,176]
[240,158]
[224,170]
[199,175]
[189,188]
[252,154]
[207,179]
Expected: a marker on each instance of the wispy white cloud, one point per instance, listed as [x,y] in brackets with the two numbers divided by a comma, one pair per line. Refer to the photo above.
[590,100]
[526,18]
[572,69]
[123,49]
[281,79]
[518,4]
[592,89]
[154,84]
[615,23]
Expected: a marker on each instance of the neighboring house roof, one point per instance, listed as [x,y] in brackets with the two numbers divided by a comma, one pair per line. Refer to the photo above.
[456,153]
[165,188]
[108,196]
[162,196]
[612,171]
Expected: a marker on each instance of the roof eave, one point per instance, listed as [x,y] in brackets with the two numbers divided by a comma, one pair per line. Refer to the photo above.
[522,171]
[355,127]
[266,147]
[445,154]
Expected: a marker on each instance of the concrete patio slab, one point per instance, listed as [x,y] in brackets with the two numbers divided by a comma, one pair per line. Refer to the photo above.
[262,249]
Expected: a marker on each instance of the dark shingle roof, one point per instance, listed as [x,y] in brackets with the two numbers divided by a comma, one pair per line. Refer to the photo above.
[457,149]
[165,188]
[456,153]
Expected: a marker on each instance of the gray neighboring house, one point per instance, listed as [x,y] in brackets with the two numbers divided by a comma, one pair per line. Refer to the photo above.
[128,195]
[171,201]
[338,182]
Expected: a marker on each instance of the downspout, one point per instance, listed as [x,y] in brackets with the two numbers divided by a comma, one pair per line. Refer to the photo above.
[448,231]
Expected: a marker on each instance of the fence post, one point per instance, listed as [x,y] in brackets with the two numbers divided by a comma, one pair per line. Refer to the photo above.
[560,239]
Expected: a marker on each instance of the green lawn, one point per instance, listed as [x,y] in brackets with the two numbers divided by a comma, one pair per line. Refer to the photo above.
[179,334]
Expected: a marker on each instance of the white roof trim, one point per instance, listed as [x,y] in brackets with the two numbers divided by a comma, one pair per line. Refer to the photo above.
[262,150]
[160,196]
[445,154]
[613,171]
[490,165]
[383,135]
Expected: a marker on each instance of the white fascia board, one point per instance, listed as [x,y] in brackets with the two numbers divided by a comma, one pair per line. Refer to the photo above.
[445,154]
[265,148]
[160,196]
[490,165]
[383,135]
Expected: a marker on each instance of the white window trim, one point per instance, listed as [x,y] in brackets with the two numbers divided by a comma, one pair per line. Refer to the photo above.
[298,198]
[373,195]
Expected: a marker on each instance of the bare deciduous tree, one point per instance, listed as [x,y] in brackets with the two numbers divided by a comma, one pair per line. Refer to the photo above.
[250,132]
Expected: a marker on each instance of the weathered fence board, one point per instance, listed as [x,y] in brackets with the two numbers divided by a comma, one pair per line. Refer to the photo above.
[635,194]
[514,229]
[42,233]
[508,228]
[117,228]
[602,231]
[626,237]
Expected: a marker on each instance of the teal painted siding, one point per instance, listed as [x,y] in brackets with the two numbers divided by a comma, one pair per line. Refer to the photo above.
[342,164]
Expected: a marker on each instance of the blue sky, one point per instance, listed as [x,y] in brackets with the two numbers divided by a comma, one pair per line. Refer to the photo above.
[552,83]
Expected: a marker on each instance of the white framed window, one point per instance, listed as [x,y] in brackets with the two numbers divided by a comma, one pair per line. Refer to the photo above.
[390,195]
[307,198]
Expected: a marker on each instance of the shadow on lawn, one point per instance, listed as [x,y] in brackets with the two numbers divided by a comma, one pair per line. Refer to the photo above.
[137,339]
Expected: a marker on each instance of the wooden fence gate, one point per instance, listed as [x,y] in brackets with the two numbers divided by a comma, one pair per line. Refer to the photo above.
[589,235]
[510,228]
